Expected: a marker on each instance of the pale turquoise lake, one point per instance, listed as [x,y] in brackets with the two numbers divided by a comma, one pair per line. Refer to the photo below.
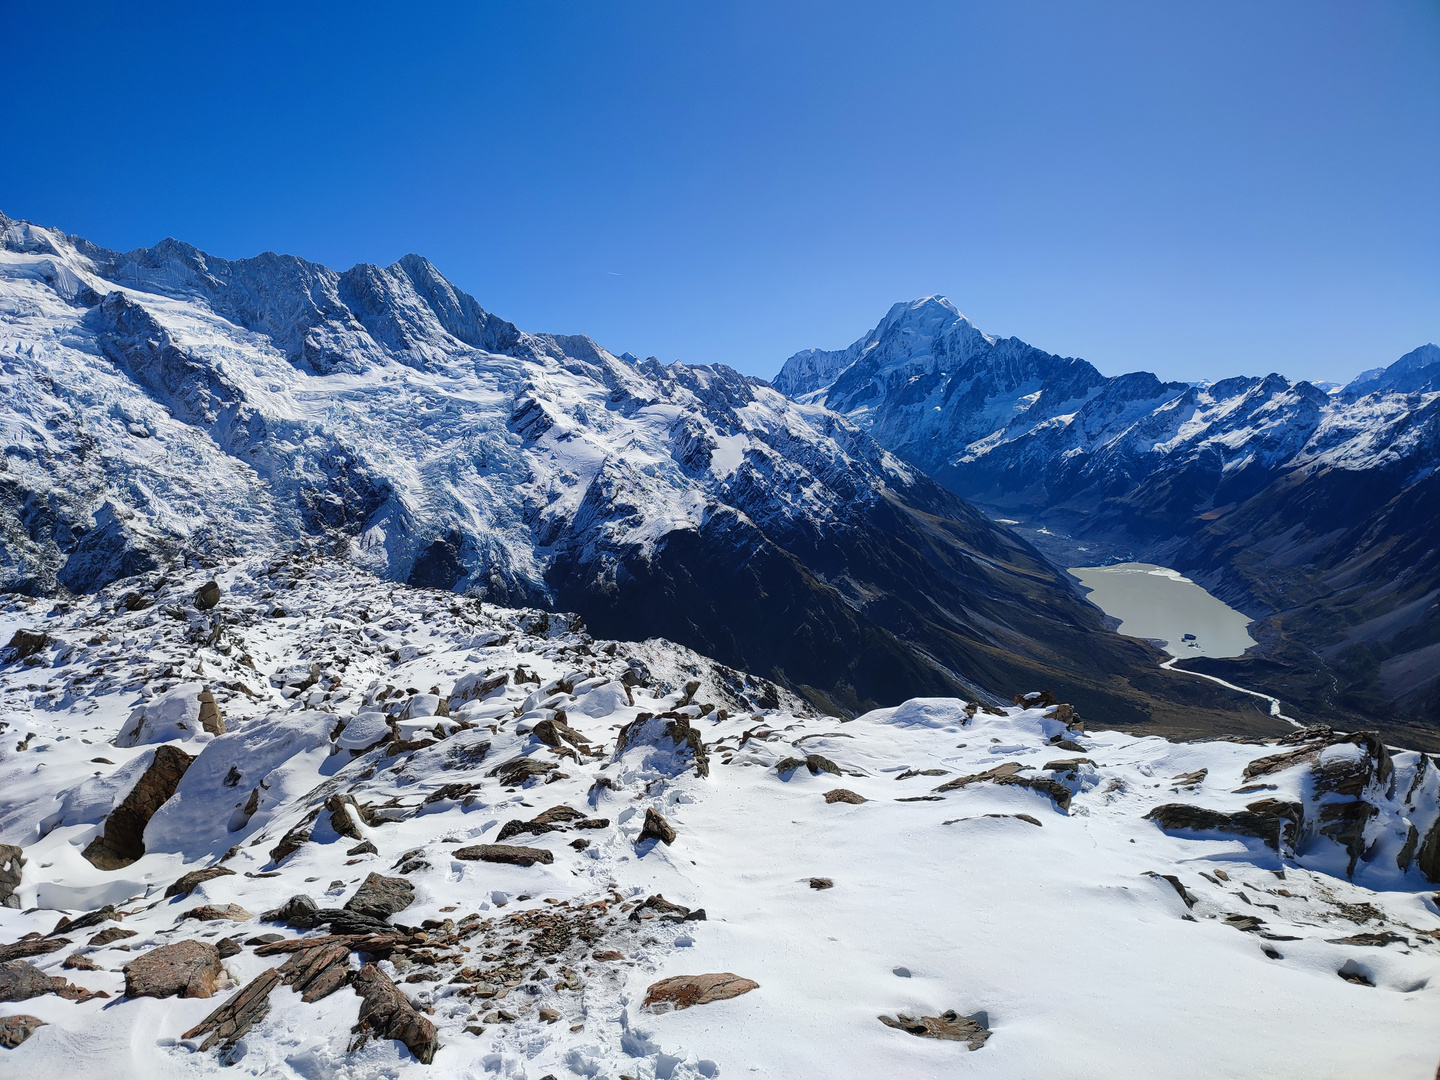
[1156,602]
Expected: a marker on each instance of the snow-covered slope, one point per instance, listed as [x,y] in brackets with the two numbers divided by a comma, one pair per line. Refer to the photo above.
[167,404]
[1273,493]
[1067,900]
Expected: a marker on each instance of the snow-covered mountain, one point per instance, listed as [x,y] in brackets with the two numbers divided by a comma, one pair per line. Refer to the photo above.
[165,405]
[1311,508]
[282,818]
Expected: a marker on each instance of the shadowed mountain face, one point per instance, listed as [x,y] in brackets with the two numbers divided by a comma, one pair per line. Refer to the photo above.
[1308,511]
[164,404]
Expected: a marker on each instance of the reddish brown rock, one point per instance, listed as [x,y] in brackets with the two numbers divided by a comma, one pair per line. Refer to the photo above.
[656,828]
[214,912]
[387,1013]
[844,795]
[685,991]
[238,1015]
[14,1030]
[186,968]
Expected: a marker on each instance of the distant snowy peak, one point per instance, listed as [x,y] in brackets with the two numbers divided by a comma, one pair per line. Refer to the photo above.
[1418,371]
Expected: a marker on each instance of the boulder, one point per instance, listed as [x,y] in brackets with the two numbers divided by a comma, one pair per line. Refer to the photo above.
[318,971]
[521,770]
[656,828]
[821,883]
[387,1013]
[948,1025]
[210,718]
[11,861]
[672,736]
[844,795]
[21,981]
[1009,775]
[187,883]
[504,853]
[109,936]
[687,991]
[123,840]
[32,946]
[186,968]
[380,897]
[207,596]
[23,645]
[14,1030]
[298,912]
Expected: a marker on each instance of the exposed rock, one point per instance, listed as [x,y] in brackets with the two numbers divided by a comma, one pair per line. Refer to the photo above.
[292,840]
[11,861]
[228,947]
[20,981]
[1067,765]
[187,883]
[79,962]
[92,918]
[1427,857]
[1272,822]
[1175,884]
[207,596]
[1187,779]
[214,912]
[23,645]
[686,991]
[504,853]
[948,1025]
[555,731]
[14,1030]
[210,718]
[658,731]
[365,847]
[1009,774]
[844,795]
[1344,822]
[657,907]
[33,946]
[521,770]
[908,773]
[186,968]
[298,912]
[123,840]
[821,883]
[238,1015]
[380,897]
[340,819]
[109,936]
[386,1012]
[656,828]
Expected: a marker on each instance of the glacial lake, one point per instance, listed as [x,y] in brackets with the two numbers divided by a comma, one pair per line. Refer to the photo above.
[1156,602]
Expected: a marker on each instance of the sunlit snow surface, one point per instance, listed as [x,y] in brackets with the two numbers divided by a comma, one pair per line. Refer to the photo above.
[1082,965]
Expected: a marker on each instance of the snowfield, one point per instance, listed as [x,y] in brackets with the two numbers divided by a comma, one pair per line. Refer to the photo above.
[1072,901]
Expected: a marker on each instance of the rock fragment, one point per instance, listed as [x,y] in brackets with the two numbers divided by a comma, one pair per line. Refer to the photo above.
[1268,819]
[844,795]
[187,883]
[20,981]
[380,897]
[11,861]
[948,1025]
[238,1015]
[687,991]
[656,828]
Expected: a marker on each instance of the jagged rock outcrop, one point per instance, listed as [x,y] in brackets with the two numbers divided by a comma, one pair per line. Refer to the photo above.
[123,840]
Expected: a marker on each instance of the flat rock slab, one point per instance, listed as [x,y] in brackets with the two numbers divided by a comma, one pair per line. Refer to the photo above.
[35,946]
[948,1025]
[231,1020]
[14,1030]
[380,897]
[513,854]
[20,981]
[186,968]
[213,912]
[684,991]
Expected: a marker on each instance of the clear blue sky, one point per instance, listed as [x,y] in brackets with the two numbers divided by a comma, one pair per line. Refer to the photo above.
[1201,189]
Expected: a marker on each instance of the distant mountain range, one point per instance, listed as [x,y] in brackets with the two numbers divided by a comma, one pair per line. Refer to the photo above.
[1317,513]
[165,404]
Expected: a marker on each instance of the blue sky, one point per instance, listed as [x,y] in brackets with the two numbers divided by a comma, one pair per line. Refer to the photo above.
[1200,189]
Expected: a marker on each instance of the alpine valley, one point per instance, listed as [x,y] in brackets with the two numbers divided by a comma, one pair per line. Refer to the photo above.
[1315,513]
[389,692]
